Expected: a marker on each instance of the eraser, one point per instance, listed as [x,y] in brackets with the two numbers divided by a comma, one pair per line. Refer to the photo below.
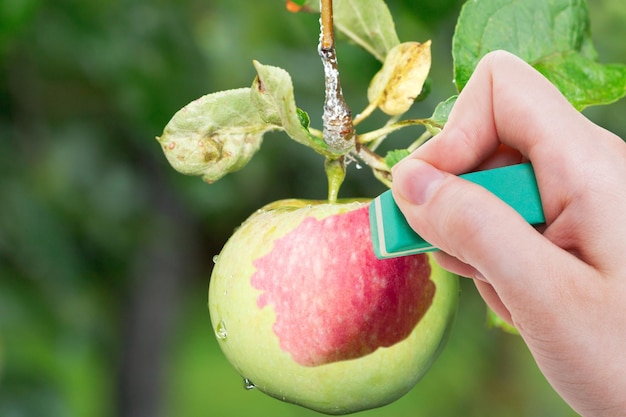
[392,236]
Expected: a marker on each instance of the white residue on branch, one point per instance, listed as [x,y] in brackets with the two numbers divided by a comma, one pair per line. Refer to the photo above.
[337,118]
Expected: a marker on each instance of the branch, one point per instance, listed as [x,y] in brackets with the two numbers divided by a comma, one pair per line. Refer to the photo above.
[389,128]
[338,127]
[327,38]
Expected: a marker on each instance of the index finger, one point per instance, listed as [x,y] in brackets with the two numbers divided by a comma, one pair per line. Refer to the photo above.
[496,109]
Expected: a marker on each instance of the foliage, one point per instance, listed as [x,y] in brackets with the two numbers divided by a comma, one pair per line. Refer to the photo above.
[554,36]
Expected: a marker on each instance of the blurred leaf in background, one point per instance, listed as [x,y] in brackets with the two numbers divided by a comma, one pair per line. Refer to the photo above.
[105,251]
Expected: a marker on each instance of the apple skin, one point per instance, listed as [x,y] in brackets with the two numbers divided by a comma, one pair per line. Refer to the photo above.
[302,308]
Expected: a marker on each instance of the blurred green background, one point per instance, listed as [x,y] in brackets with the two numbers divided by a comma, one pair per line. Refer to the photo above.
[105,251]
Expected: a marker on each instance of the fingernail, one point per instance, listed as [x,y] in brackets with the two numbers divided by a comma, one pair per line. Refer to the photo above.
[416,181]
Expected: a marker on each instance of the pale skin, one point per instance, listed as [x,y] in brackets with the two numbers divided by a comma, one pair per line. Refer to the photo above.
[563,285]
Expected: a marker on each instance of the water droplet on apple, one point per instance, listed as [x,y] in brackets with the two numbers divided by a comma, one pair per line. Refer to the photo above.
[247,384]
[216,258]
[220,331]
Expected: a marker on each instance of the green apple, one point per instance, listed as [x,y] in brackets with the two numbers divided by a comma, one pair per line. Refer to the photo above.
[304,310]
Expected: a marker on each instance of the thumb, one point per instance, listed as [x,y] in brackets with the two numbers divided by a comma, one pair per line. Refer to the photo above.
[474,226]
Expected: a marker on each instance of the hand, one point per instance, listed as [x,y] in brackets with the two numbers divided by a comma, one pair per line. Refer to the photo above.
[562,285]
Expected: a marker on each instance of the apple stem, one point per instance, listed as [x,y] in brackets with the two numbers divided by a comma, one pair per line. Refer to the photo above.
[336,173]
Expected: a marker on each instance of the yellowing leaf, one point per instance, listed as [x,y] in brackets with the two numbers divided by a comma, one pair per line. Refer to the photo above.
[214,135]
[273,96]
[395,87]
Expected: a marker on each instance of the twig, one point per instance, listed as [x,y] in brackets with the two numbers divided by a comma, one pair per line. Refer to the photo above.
[420,141]
[327,39]
[389,128]
[365,113]
[375,162]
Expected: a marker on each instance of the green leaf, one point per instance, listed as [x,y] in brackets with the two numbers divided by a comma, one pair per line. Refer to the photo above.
[584,81]
[552,35]
[395,156]
[273,96]
[435,123]
[214,135]
[368,23]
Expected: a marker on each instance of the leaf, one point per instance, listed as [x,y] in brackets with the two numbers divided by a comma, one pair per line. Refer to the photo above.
[426,88]
[585,82]
[368,23]
[214,135]
[531,29]
[552,35]
[273,96]
[399,82]
[395,156]
[436,122]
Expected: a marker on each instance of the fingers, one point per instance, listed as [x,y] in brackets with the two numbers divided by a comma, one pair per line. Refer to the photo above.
[506,113]
[496,108]
[452,264]
[557,284]
[474,226]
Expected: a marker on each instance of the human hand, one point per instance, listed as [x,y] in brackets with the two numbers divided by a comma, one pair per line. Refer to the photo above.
[562,285]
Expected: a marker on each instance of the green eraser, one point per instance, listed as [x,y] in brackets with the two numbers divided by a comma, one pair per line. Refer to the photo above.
[392,236]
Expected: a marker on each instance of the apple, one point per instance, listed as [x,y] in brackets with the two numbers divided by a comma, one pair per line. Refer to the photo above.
[306,313]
